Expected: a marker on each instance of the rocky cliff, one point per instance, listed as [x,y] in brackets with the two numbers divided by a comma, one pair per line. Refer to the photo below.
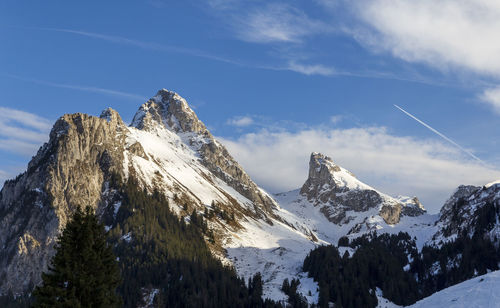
[68,171]
[338,192]
[470,210]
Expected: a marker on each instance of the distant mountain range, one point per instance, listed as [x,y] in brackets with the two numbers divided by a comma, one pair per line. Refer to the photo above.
[169,151]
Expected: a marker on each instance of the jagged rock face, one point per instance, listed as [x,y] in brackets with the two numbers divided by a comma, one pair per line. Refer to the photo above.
[391,213]
[67,172]
[463,192]
[338,191]
[461,213]
[171,111]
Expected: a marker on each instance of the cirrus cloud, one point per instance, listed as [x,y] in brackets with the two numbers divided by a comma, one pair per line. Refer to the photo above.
[22,132]
[276,22]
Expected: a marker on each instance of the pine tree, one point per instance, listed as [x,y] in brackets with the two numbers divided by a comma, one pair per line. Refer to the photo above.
[84,271]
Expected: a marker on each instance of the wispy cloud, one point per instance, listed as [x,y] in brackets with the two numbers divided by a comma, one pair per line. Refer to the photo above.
[492,98]
[314,69]
[22,132]
[291,35]
[27,119]
[240,121]
[80,88]
[292,63]
[146,45]
[276,22]
[429,169]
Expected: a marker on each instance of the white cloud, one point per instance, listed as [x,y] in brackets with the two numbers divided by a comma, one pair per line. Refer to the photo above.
[492,98]
[315,69]
[396,165]
[240,121]
[443,34]
[22,132]
[276,22]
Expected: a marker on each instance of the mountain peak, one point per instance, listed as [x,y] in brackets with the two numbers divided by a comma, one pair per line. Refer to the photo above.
[167,109]
[337,191]
[111,116]
[323,171]
[321,165]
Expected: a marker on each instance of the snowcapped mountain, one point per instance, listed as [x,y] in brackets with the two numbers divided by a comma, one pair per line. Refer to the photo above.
[337,191]
[167,149]
[334,203]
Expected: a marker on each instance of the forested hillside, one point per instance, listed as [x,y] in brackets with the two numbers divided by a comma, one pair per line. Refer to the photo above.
[393,264]
[160,253]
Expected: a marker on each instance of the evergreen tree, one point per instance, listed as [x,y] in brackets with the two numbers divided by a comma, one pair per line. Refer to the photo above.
[84,271]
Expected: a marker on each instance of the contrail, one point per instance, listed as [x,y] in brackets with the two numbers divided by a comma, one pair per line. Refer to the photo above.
[78,87]
[441,135]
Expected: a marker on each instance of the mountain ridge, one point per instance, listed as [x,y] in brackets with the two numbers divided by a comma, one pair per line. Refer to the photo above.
[168,150]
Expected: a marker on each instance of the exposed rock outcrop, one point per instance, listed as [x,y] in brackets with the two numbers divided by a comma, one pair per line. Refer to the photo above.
[470,210]
[338,192]
[68,171]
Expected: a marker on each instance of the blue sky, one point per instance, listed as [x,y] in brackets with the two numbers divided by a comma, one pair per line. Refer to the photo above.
[276,78]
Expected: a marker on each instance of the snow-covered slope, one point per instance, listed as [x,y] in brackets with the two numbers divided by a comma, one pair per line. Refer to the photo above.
[310,217]
[278,251]
[479,292]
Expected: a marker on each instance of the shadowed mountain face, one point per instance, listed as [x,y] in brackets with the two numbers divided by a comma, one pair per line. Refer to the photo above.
[470,210]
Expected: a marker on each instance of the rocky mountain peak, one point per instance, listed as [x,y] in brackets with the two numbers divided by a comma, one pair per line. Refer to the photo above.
[168,109]
[112,116]
[321,166]
[324,174]
[337,191]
